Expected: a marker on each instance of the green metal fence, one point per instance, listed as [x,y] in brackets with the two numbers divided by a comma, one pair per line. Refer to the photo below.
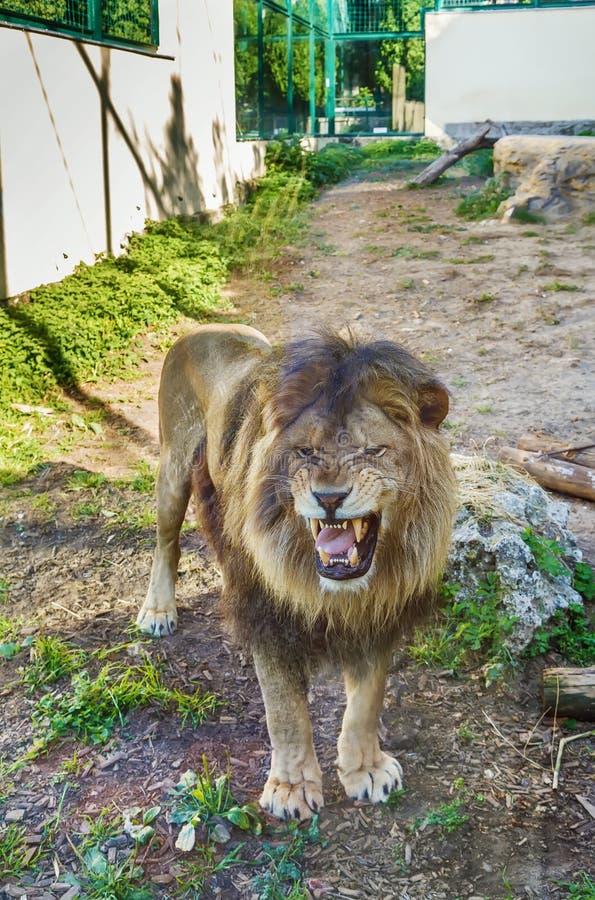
[511,4]
[132,22]
[329,67]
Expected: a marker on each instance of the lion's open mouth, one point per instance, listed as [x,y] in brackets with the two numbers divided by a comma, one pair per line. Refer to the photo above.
[345,547]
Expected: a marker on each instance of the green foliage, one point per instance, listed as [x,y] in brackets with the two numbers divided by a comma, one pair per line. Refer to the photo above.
[557,286]
[548,554]
[589,218]
[92,705]
[526,216]
[473,630]
[484,203]
[582,887]
[100,879]
[4,586]
[569,631]
[401,149]
[282,879]
[51,659]
[13,847]
[206,797]
[480,163]
[447,816]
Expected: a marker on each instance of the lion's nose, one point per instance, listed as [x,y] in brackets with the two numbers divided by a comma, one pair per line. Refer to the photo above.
[331,500]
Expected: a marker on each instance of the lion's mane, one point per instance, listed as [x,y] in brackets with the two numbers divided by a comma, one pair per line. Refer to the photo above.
[271,587]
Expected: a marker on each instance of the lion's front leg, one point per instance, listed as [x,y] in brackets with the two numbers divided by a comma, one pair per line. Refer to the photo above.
[294,787]
[158,616]
[366,772]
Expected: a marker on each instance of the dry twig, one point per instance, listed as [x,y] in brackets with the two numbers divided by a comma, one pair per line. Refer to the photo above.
[561,745]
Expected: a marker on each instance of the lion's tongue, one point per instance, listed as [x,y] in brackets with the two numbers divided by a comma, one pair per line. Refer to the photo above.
[335,540]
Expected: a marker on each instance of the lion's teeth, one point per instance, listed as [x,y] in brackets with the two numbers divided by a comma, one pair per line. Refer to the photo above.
[324,556]
[353,557]
[314,527]
[358,528]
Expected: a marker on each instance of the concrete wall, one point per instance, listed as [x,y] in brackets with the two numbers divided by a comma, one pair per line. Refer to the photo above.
[94,140]
[533,69]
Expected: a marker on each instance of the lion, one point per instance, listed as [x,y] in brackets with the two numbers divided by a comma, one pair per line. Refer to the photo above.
[325,489]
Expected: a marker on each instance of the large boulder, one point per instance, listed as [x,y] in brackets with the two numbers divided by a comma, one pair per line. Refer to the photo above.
[551,176]
[496,507]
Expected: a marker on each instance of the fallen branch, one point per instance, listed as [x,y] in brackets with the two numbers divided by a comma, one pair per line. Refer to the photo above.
[448,159]
[511,745]
[559,475]
[561,745]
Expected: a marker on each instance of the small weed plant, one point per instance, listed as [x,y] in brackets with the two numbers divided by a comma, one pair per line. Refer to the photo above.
[484,203]
[473,630]
[204,798]
[582,887]
[448,816]
[282,877]
[15,853]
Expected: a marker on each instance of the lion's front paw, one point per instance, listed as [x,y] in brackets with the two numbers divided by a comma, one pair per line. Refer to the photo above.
[375,782]
[157,622]
[292,801]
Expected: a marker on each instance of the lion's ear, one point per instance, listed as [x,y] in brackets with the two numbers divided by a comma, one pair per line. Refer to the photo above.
[433,404]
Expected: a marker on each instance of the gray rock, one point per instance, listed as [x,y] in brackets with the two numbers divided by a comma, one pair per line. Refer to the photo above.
[497,505]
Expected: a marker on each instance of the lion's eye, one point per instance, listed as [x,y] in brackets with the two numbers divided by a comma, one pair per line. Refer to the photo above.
[305,452]
[375,452]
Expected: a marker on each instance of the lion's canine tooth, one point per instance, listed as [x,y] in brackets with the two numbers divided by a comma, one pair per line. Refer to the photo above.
[314,527]
[358,528]
[353,557]
[324,556]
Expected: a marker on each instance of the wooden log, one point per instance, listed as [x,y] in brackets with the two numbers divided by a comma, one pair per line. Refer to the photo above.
[544,444]
[569,693]
[556,474]
[448,159]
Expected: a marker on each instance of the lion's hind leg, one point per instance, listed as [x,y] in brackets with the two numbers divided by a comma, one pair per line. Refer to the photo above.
[294,787]
[365,771]
[158,616]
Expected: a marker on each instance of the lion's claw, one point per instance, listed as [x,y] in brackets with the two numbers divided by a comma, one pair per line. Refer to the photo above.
[292,801]
[373,783]
[157,623]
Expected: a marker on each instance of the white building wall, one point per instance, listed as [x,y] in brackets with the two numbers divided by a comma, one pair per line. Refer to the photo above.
[95,140]
[513,65]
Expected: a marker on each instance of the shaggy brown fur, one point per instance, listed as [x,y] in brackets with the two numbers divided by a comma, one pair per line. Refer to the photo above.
[271,439]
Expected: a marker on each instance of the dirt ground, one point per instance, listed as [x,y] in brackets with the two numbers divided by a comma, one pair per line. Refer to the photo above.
[504,314]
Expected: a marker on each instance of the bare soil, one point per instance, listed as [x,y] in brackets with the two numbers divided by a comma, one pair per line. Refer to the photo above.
[482,304]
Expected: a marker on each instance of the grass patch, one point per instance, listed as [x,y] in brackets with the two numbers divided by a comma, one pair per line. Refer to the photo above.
[559,286]
[51,659]
[91,706]
[484,203]
[16,854]
[589,218]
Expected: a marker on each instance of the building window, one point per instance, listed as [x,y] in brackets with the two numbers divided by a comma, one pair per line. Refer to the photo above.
[131,22]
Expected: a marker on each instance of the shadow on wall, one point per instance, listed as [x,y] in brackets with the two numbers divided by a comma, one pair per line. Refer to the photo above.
[176,169]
